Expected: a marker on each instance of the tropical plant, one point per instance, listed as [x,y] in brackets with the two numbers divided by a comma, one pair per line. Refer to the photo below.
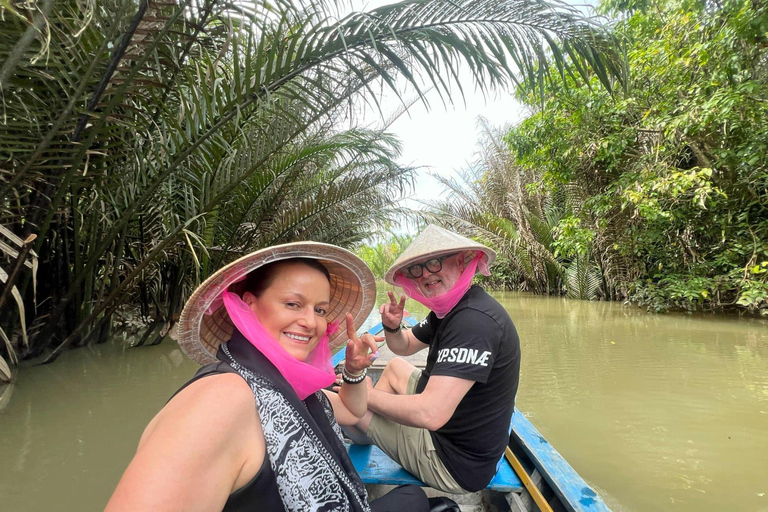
[670,176]
[490,202]
[380,256]
[19,257]
[146,143]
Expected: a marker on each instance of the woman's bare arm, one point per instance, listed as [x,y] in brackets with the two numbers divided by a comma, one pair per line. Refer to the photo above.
[204,444]
[352,401]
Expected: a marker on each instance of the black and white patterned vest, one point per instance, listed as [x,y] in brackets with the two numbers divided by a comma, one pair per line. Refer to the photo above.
[304,441]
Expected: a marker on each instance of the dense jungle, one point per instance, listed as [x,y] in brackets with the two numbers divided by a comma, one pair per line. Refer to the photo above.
[656,194]
[146,143]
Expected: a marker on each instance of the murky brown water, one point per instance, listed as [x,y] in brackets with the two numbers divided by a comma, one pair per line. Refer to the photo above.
[657,412]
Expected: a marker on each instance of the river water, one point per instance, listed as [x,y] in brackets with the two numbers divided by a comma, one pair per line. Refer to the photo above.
[658,413]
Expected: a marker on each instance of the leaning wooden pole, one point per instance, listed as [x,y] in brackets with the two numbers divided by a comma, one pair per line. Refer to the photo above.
[527,482]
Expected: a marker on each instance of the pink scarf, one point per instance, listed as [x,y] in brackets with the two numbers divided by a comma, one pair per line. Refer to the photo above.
[443,304]
[305,377]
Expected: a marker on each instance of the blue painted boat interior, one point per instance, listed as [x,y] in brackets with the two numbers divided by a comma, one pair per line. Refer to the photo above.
[375,467]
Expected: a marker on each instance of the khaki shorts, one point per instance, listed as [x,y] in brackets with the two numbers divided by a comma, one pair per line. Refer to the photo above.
[412,447]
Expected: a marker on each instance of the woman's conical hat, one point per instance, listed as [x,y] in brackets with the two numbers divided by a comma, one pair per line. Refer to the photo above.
[433,242]
[204,323]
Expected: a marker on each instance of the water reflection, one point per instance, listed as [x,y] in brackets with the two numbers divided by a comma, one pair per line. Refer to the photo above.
[71,427]
[658,412]
[5,395]
[652,409]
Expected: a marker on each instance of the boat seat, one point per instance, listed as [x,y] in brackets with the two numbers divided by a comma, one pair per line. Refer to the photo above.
[375,467]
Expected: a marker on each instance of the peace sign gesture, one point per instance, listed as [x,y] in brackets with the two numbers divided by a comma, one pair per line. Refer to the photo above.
[357,357]
[392,312]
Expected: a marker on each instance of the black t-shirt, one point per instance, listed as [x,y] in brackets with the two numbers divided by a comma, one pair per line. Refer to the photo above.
[476,341]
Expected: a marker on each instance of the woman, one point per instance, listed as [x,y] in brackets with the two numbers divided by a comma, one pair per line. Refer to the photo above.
[255,429]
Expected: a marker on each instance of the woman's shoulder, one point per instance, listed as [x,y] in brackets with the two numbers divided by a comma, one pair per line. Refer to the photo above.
[221,401]
[220,392]
[214,383]
[204,444]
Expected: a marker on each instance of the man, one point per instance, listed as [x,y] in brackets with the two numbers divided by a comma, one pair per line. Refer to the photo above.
[449,424]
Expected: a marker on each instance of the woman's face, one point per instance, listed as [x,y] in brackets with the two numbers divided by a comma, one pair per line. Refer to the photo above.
[294,307]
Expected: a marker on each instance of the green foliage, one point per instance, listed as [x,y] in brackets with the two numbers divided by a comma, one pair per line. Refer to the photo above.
[571,239]
[147,144]
[754,296]
[671,176]
[681,292]
[381,256]
[582,279]
[491,204]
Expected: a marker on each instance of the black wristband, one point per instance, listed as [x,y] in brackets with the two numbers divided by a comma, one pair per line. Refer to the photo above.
[392,330]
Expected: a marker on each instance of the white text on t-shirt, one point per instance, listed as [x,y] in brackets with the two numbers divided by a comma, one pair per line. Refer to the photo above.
[463,355]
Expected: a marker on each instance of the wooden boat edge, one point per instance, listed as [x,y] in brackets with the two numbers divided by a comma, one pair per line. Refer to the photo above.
[571,489]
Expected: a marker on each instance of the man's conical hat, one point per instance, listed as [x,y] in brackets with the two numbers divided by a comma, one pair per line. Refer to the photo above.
[433,242]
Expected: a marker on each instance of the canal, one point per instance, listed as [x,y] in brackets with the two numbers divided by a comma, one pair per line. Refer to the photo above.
[656,412]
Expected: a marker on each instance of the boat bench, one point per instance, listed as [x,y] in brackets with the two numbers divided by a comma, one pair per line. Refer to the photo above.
[376,467]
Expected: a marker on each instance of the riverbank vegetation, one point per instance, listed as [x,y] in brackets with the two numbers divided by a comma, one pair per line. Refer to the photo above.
[657,194]
[379,256]
[147,143]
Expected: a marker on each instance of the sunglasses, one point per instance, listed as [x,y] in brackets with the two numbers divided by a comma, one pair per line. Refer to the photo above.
[433,265]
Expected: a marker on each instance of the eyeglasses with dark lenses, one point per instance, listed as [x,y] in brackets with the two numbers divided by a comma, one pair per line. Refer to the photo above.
[433,265]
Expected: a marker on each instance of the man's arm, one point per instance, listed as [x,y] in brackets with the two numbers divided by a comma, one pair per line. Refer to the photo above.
[431,409]
[402,342]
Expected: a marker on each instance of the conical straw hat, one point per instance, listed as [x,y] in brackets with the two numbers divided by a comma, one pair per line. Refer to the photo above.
[353,290]
[433,242]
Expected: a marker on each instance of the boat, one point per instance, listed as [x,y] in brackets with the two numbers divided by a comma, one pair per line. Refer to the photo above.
[532,475]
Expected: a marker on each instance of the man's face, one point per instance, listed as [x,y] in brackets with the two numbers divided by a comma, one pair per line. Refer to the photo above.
[432,284]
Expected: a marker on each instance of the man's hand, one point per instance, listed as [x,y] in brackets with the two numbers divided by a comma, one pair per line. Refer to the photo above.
[392,312]
[402,341]
[357,357]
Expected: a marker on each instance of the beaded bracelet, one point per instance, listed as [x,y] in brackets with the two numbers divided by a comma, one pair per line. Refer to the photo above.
[392,329]
[353,379]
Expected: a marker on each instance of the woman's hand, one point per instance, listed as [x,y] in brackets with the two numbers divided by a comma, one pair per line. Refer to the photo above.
[392,312]
[351,402]
[357,357]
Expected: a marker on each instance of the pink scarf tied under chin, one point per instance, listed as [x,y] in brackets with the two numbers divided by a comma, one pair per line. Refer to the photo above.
[306,377]
[441,305]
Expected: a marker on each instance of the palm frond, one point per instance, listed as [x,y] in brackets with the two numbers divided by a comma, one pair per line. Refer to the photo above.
[151,131]
[582,279]
[5,370]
